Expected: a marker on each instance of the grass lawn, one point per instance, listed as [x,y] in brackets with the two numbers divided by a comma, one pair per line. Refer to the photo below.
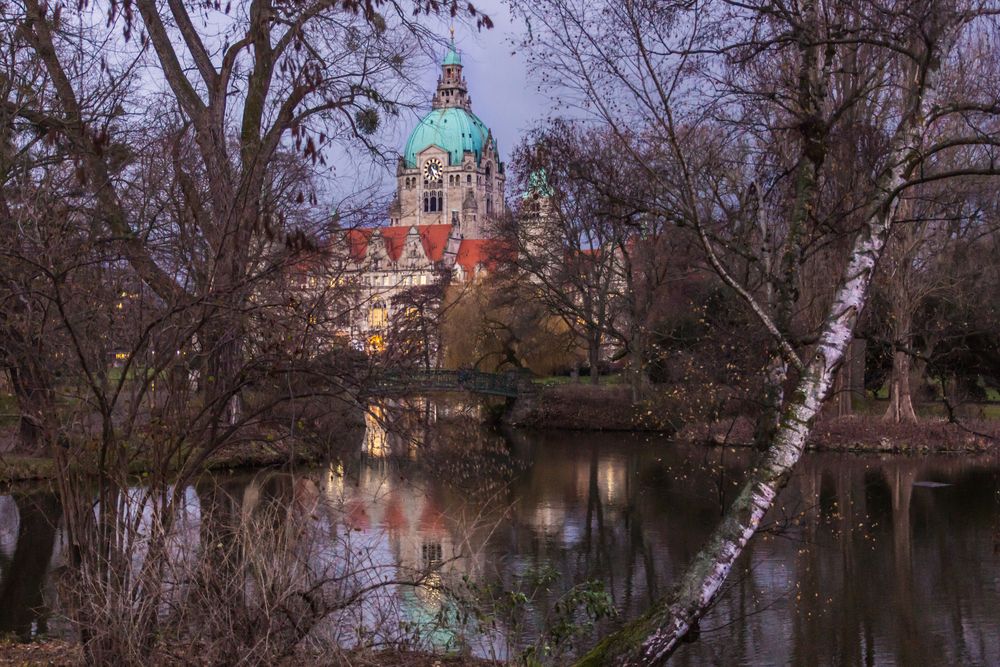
[876,406]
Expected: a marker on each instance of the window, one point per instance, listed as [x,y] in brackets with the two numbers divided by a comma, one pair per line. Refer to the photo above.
[468,179]
[433,201]
[378,315]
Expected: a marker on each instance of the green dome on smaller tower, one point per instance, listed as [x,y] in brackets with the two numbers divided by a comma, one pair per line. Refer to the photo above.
[452,57]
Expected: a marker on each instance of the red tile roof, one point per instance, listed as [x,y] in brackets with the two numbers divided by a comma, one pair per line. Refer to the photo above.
[434,239]
[357,243]
[473,252]
[394,238]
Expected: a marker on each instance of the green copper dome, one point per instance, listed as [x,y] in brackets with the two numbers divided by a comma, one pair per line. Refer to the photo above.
[452,129]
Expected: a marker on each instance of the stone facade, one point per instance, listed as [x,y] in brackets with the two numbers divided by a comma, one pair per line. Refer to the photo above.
[450,186]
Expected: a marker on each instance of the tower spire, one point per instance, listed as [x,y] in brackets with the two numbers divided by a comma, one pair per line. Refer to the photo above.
[451,88]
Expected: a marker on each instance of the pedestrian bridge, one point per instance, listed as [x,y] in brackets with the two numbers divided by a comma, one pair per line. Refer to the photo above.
[425,381]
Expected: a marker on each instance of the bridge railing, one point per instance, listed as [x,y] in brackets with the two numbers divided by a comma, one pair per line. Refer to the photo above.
[479,382]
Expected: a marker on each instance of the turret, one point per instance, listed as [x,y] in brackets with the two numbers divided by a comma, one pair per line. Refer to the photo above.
[454,241]
[452,91]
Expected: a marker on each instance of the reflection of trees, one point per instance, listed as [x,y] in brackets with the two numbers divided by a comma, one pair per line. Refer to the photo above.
[858,573]
[22,576]
[840,579]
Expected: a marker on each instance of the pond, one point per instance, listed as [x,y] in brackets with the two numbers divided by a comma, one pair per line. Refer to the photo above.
[866,560]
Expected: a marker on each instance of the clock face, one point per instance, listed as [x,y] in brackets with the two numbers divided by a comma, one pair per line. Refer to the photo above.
[433,170]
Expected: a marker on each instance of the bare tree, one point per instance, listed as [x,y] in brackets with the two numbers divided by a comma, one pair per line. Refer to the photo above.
[711,82]
[564,238]
[162,168]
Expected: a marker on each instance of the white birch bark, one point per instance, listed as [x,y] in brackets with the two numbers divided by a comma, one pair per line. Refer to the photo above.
[652,639]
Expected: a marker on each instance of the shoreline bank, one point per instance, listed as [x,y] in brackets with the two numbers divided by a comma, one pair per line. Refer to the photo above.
[20,468]
[861,434]
[582,407]
[595,413]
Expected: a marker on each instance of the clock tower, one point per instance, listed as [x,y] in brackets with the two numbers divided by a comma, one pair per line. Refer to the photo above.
[450,170]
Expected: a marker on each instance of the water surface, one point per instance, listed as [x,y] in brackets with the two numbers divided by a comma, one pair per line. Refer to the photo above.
[867,560]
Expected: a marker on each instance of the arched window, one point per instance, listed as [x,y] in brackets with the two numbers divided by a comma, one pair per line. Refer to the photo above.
[440,200]
[468,179]
[378,315]
[427,200]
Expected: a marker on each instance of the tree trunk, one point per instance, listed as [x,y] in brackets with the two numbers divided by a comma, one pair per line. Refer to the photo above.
[652,639]
[34,403]
[769,417]
[841,402]
[900,402]
[594,358]
[636,372]
[844,387]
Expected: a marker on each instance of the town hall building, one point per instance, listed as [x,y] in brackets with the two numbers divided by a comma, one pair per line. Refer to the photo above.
[449,187]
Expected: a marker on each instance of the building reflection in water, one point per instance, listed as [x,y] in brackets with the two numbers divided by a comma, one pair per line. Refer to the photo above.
[860,564]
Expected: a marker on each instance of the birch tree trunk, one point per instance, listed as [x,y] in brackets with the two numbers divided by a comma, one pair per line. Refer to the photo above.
[654,637]
[896,103]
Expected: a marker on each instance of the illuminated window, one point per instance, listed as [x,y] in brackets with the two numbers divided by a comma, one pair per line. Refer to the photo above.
[378,316]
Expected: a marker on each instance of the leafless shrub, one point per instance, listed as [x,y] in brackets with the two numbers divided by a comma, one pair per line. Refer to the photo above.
[250,578]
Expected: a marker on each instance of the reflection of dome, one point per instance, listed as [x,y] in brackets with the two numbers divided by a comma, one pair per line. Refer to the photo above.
[452,129]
